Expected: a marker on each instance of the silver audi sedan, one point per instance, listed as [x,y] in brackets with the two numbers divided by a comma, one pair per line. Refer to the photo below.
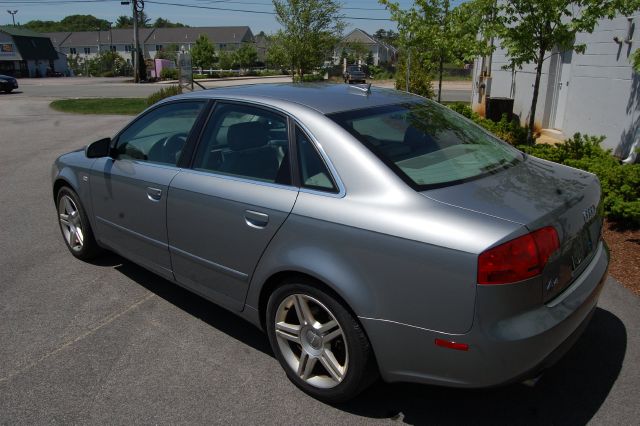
[369,232]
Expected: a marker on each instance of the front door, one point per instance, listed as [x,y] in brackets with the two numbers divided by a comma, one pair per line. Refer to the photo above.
[129,191]
[222,213]
[562,88]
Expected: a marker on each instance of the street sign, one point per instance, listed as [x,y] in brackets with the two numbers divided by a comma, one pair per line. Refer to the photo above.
[186,72]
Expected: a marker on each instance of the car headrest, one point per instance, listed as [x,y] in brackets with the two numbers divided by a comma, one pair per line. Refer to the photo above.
[249,135]
[416,137]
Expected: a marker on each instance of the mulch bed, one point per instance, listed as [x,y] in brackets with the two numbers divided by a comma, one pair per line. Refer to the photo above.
[625,255]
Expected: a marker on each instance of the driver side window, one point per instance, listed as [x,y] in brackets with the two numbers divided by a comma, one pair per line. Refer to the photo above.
[160,135]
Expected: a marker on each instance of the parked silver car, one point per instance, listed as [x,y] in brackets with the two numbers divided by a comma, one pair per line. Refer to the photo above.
[369,232]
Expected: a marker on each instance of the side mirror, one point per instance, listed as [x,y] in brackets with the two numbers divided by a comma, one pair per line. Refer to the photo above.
[98,149]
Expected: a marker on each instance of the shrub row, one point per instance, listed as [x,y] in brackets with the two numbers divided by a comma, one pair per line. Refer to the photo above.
[507,130]
[165,92]
[620,183]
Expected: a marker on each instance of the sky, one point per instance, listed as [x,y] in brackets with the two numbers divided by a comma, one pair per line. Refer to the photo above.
[55,10]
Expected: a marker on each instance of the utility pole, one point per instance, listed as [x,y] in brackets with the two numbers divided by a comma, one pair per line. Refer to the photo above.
[13,15]
[137,6]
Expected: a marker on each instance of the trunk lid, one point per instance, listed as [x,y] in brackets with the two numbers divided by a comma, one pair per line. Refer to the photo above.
[538,193]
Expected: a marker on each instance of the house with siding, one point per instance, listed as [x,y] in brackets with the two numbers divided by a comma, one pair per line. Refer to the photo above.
[381,51]
[596,93]
[26,53]
[87,44]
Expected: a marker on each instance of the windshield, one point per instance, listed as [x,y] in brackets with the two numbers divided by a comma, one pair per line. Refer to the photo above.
[428,145]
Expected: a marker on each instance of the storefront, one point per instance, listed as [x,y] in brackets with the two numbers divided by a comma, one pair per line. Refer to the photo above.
[25,53]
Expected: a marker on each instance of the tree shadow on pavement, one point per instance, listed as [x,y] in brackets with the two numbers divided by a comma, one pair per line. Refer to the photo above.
[570,392]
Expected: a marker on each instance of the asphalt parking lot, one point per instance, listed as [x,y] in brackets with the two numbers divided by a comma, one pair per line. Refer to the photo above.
[109,342]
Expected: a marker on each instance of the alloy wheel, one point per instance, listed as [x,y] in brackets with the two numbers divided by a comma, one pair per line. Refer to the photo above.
[70,223]
[311,341]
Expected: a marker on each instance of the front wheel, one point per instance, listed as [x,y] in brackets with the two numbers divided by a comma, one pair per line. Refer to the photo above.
[8,90]
[320,345]
[74,225]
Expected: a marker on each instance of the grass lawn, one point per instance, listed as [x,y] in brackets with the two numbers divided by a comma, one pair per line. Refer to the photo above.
[124,106]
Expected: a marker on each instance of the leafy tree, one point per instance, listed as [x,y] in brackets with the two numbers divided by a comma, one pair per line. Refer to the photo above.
[310,30]
[203,54]
[443,34]
[635,60]
[246,56]
[165,23]
[387,36]
[357,51]
[226,60]
[169,52]
[124,21]
[70,23]
[369,59]
[419,77]
[530,29]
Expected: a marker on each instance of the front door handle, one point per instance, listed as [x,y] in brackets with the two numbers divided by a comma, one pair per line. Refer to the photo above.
[154,194]
[256,219]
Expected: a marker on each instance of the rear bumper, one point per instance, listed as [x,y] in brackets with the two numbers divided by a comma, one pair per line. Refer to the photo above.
[502,348]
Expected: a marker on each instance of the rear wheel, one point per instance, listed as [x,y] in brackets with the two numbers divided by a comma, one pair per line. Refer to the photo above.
[7,90]
[320,345]
[74,225]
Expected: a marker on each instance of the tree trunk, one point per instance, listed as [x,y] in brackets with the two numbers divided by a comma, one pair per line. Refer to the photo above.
[440,72]
[534,101]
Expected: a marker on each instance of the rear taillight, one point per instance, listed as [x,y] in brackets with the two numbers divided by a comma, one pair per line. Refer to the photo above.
[518,259]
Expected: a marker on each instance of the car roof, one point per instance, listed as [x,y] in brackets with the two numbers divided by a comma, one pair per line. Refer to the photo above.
[326,98]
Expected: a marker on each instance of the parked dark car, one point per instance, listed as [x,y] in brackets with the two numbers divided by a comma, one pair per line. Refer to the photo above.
[354,74]
[8,83]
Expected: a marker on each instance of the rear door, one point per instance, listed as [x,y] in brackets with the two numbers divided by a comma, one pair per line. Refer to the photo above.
[223,212]
[129,191]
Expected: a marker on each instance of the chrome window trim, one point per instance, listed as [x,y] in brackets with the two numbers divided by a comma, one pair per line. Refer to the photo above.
[240,179]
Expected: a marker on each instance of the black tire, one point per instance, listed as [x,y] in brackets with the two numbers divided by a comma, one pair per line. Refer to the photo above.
[89,248]
[361,368]
[8,90]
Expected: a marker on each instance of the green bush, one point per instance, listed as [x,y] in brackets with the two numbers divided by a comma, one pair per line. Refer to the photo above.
[308,78]
[165,92]
[169,74]
[620,183]
[507,130]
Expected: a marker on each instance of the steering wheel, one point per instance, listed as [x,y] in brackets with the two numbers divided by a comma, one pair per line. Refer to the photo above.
[168,150]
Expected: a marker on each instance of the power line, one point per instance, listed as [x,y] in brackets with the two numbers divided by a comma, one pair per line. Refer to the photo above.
[270,4]
[262,12]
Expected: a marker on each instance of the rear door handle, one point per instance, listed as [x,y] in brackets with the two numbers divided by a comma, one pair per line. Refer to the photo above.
[256,219]
[154,194]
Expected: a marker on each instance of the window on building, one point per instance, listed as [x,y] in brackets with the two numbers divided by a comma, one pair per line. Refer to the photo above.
[73,51]
[128,48]
[112,48]
[87,50]
[158,47]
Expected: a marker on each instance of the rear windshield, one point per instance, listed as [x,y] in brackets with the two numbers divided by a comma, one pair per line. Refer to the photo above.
[428,145]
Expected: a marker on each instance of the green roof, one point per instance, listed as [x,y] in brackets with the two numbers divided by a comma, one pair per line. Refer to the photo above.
[20,31]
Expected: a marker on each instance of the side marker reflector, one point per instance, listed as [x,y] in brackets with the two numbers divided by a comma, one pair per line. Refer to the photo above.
[452,345]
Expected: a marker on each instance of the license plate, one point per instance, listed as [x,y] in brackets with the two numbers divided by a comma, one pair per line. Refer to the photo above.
[581,248]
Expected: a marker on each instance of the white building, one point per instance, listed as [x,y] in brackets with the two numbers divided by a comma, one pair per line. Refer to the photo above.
[596,93]
[381,51]
[87,44]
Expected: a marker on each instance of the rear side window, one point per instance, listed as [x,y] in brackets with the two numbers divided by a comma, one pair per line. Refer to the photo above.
[314,173]
[247,142]
[428,145]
